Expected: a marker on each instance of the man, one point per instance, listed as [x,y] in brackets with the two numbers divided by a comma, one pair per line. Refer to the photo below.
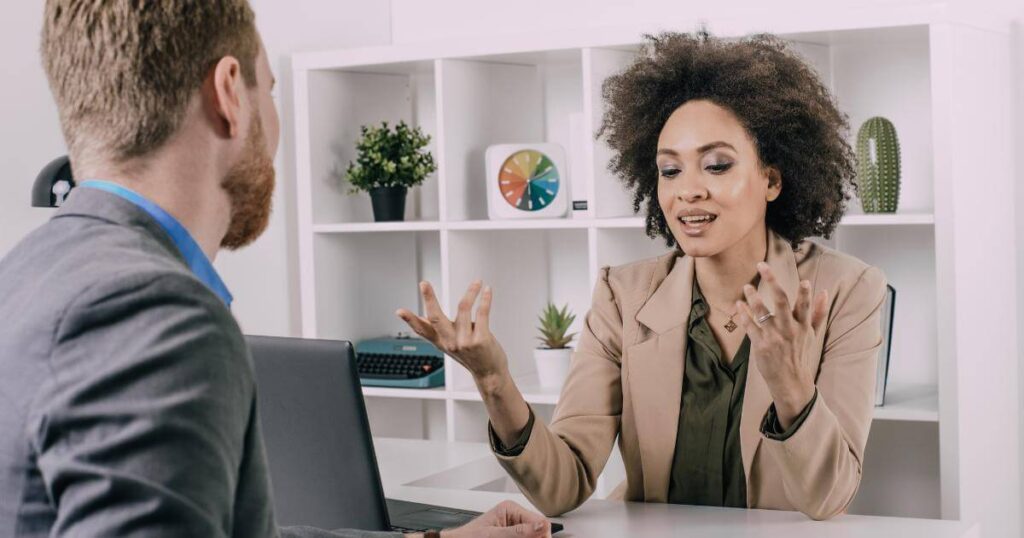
[128,398]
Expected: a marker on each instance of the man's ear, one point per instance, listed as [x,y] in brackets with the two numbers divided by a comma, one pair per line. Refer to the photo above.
[224,96]
[774,183]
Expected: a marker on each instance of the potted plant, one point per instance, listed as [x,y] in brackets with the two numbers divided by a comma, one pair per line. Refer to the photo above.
[388,162]
[553,356]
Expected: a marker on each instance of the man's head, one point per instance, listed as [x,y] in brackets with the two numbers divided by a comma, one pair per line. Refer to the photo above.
[132,79]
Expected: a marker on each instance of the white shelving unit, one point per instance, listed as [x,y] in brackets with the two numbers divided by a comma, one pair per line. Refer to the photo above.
[906,64]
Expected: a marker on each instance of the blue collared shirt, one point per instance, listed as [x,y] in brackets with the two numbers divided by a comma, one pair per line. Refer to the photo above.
[194,256]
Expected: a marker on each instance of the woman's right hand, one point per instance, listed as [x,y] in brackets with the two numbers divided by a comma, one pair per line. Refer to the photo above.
[468,342]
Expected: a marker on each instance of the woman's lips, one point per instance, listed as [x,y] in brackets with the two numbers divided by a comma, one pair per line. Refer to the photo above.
[696,226]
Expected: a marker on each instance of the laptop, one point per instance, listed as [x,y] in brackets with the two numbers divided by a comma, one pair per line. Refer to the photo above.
[323,469]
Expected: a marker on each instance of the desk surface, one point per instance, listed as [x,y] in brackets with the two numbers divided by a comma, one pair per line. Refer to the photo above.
[445,473]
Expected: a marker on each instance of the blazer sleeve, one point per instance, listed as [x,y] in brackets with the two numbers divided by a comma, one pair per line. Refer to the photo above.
[145,425]
[558,468]
[821,461]
[141,429]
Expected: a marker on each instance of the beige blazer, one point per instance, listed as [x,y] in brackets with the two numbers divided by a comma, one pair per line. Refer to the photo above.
[626,381]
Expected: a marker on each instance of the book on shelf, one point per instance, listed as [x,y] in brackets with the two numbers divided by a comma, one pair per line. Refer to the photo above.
[888,309]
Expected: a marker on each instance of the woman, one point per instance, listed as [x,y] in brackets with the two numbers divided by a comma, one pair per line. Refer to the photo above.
[738,370]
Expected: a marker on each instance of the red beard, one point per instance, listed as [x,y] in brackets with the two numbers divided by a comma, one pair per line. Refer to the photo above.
[250,187]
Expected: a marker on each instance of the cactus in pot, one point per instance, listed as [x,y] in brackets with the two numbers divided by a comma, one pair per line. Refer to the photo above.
[878,166]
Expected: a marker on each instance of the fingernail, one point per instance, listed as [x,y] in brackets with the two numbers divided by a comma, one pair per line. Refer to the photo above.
[805,285]
[487,289]
[762,266]
[538,525]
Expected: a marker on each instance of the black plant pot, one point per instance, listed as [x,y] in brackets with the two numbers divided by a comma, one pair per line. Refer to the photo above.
[388,203]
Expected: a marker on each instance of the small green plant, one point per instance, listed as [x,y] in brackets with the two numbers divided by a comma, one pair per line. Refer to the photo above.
[390,158]
[553,325]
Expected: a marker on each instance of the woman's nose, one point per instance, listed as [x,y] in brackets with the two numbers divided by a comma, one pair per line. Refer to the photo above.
[690,190]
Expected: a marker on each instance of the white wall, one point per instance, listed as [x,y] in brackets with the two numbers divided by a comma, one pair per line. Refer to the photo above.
[29,131]
[1017,60]
[262,276]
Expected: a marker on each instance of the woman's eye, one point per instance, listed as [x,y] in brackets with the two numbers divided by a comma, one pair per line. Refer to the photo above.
[718,168]
[669,172]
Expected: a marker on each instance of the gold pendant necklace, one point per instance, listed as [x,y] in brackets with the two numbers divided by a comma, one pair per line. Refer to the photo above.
[730,325]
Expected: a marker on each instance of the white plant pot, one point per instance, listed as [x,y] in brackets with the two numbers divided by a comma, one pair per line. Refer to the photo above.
[552,366]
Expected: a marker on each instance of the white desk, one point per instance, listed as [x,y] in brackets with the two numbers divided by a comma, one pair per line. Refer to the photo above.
[445,473]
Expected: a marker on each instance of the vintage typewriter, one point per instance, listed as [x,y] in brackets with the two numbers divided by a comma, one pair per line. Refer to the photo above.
[400,361]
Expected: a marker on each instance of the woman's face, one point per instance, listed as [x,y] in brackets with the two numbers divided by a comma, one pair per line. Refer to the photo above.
[712,187]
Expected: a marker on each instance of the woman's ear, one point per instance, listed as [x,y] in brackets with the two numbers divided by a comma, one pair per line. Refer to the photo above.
[774,183]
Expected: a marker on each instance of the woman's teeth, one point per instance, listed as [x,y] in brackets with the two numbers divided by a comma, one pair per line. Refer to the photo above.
[697,219]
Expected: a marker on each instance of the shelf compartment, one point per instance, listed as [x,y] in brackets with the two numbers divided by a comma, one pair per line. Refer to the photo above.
[906,254]
[340,102]
[362,279]
[526,269]
[523,98]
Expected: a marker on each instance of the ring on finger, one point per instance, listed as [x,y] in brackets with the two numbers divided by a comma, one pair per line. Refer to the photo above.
[765,318]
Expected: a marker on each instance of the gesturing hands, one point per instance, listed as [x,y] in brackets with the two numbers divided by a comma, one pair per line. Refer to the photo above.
[468,342]
[781,344]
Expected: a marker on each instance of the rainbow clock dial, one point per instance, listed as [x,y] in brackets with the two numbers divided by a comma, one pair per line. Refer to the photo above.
[528,180]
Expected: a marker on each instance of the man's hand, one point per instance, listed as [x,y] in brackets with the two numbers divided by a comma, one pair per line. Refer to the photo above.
[508,519]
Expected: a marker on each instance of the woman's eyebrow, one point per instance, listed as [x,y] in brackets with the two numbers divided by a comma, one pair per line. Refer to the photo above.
[703,149]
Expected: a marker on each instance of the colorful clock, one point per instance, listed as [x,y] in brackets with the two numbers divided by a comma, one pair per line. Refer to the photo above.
[526,181]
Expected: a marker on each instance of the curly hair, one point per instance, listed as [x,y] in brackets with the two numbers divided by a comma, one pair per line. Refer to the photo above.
[789,114]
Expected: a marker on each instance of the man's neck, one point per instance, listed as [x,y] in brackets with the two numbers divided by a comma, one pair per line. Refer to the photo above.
[199,204]
[721,277]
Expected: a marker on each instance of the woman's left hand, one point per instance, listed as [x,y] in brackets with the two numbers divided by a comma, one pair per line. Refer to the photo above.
[780,344]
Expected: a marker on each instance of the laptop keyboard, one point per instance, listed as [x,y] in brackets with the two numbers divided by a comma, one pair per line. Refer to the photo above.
[403,529]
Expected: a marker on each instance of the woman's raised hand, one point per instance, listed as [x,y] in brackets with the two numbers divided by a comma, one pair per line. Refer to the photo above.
[469,342]
[781,344]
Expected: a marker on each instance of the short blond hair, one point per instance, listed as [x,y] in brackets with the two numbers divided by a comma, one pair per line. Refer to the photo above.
[123,71]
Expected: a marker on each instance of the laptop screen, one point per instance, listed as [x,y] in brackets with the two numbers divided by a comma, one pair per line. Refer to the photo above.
[323,470]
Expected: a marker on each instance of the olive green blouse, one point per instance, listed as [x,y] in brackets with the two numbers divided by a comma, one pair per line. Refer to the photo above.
[707,467]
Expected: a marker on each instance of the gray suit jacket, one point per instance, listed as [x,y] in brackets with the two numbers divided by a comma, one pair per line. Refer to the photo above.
[127,401]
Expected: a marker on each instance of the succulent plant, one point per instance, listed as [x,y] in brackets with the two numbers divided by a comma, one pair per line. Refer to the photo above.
[553,325]
[878,166]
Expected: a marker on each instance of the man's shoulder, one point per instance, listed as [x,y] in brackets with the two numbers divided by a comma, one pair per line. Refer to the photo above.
[71,256]
[73,273]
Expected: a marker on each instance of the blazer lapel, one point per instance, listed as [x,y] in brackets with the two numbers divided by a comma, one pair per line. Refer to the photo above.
[654,369]
[756,397]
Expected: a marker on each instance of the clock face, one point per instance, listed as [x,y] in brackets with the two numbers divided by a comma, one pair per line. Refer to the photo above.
[528,180]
